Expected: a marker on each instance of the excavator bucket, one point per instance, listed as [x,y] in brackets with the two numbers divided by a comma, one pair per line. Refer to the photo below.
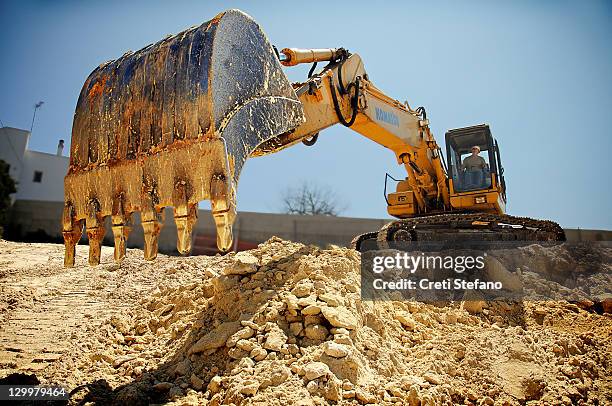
[171,125]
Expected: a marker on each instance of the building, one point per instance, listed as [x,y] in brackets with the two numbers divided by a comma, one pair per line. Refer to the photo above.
[39,175]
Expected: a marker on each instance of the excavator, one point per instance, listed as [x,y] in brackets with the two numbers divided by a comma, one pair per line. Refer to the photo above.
[173,124]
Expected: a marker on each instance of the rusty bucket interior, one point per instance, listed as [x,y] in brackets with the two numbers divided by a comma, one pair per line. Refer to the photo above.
[169,126]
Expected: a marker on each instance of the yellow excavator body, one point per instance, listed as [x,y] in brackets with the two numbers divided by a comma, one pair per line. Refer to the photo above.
[173,124]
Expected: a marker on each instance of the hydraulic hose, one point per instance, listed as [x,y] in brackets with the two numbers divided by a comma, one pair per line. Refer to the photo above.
[310,142]
[354,102]
[312,69]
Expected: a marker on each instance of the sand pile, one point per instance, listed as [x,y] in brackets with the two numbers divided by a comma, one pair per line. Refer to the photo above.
[284,324]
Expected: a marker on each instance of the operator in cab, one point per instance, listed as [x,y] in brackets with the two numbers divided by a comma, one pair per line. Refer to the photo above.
[474,166]
[474,162]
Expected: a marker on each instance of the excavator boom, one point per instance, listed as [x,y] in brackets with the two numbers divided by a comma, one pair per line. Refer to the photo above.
[343,93]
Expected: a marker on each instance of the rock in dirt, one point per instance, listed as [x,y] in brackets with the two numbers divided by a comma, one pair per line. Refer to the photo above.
[316,370]
[336,350]
[316,332]
[406,319]
[215,338]
[473,306]
[340,317]
[275,340]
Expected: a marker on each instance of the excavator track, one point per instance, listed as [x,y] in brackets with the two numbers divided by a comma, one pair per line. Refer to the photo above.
[365,242]
[457,227]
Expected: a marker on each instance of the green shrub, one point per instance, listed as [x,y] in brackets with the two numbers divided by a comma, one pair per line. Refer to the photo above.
[7,187]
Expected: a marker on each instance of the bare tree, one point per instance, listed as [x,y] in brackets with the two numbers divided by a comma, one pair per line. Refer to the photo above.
[310,199]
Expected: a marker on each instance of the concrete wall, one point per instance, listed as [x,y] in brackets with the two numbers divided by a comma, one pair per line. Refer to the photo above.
[579,234]
[32,216]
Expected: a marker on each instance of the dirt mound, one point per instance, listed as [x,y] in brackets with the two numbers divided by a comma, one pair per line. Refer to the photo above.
[284,324]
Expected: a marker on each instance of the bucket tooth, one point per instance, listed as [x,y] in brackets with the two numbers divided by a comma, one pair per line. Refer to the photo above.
[224,222]
[184,226]
[152,221]
[122,226]
[185,215]
[121,233]
[71,238]
[95,231]
[223,204]
[95,235]
[72,230]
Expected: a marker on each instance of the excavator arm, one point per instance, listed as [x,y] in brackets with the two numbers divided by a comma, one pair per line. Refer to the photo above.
[342,93]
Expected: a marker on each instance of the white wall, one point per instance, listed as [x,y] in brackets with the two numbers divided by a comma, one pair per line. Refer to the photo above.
[23,162]
[53,168]
[13,144]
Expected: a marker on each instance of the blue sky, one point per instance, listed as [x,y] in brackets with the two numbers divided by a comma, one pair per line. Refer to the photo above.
[539,73]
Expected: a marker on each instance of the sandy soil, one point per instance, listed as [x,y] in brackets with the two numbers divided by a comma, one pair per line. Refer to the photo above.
[283,324]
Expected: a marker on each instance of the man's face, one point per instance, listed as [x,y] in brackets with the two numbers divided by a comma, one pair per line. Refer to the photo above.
[475,151]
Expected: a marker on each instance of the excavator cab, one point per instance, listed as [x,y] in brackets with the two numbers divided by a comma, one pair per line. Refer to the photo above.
[474,184]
